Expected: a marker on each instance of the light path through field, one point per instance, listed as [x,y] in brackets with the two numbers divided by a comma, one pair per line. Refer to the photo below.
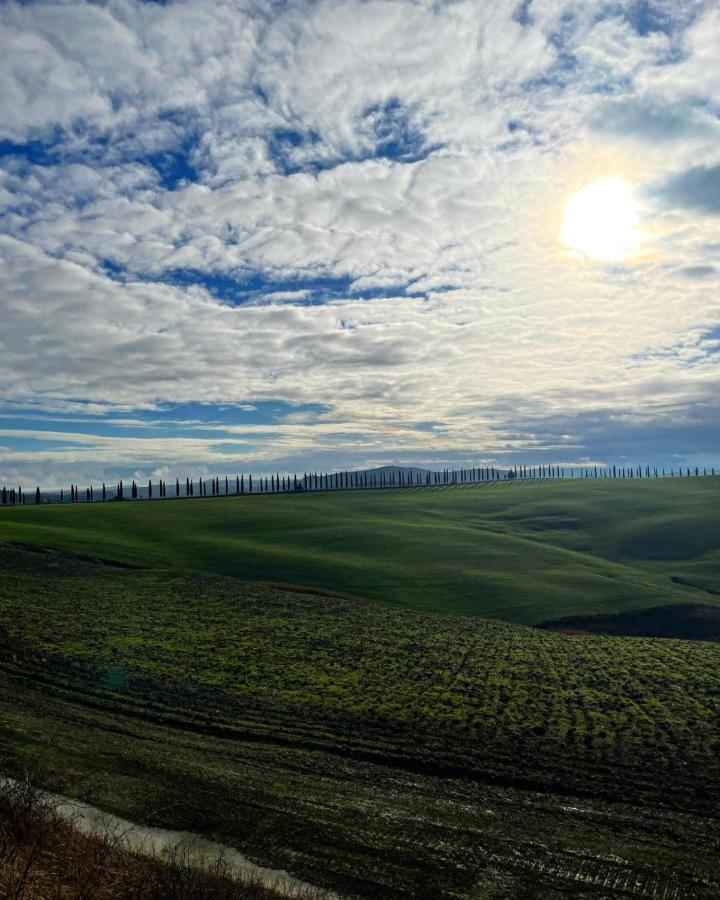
[159,842]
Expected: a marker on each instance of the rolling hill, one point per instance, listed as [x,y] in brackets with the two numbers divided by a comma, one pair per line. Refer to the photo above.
[523,552]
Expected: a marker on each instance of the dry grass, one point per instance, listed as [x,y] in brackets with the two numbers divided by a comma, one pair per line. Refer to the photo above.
[44,857]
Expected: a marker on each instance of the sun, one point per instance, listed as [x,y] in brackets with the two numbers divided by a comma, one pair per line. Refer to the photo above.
[601,221]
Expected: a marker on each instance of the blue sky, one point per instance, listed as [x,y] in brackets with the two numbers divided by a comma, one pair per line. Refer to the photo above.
[291,236]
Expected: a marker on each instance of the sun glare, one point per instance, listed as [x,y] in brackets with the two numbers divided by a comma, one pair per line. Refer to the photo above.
[601,221]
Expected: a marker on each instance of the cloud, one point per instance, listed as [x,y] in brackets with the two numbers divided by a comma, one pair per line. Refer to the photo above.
[696,188]
[695,69]
[354,205]
[699,271]
[650,120]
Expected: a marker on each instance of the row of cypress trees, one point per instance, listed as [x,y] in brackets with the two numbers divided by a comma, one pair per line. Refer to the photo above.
[215,487]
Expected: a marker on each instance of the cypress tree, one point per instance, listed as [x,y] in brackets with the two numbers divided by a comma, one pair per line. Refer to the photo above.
[4,496]
[237,484]
[37,495]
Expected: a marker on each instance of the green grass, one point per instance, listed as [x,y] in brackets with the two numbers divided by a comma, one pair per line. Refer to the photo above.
[331,660]
[382,751]
[412,747]
[523,553]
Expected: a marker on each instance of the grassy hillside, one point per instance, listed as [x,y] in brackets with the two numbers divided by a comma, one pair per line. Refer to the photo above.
[379,751]
[525,552]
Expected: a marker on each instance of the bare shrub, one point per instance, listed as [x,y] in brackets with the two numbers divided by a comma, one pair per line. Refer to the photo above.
[43,855]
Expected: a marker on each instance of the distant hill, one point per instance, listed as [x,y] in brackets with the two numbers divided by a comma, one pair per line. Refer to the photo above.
[395,470]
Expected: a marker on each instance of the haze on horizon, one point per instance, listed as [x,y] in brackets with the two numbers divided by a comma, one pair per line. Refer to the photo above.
[293,236]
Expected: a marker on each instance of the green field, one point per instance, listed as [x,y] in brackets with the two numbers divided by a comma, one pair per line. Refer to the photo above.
[524,552]
[402,749]
[382,752]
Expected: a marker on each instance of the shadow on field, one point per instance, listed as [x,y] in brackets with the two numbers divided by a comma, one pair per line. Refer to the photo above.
[690,621]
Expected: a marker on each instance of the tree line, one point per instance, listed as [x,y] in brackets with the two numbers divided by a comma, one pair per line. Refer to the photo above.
[335,481]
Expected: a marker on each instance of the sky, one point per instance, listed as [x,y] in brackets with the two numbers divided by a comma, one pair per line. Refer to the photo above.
[296,236]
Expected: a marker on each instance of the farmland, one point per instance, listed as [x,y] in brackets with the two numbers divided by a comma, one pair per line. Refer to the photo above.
[525,552]
[382,749]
